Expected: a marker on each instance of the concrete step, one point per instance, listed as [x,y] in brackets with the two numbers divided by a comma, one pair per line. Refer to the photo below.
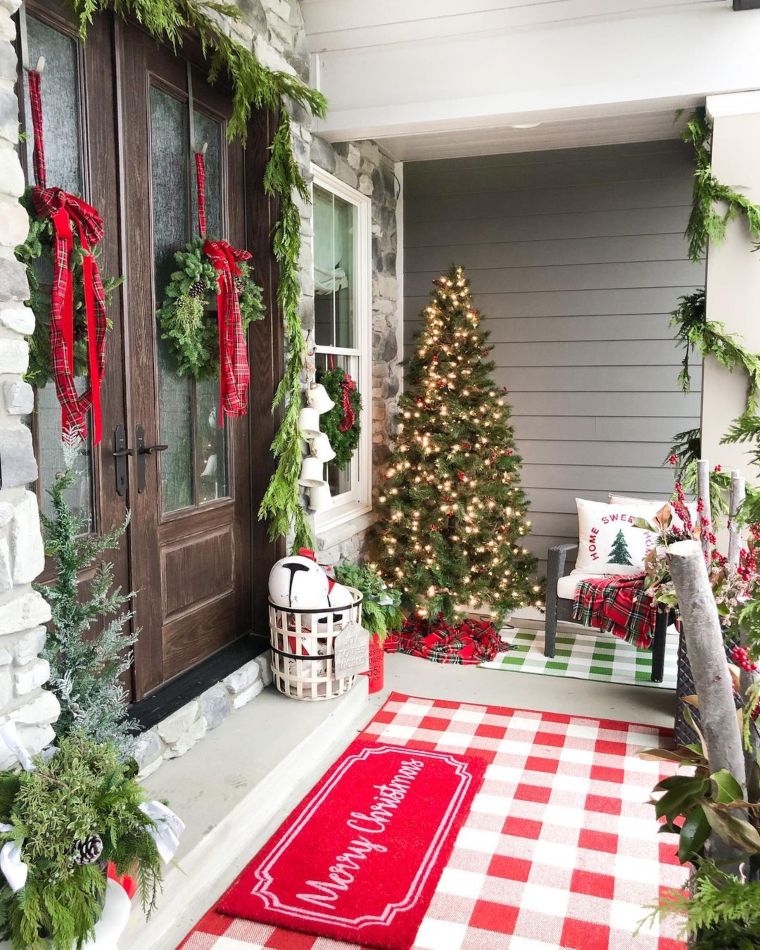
[232,790]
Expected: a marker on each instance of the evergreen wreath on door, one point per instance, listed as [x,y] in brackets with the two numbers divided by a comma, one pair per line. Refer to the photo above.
[213,278]
[70,334]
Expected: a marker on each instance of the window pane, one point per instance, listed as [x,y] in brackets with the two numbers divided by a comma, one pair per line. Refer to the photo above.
[210,131]
[50,456]
[344,242]
[324,268]
[60,106]
[341,480]
[212,443]
[170,180]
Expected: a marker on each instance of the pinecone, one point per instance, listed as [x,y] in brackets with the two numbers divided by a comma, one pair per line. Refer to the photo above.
[88,850]
[239,283]
[196,290]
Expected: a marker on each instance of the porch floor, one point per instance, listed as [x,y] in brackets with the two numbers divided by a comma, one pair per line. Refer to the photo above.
[293,743]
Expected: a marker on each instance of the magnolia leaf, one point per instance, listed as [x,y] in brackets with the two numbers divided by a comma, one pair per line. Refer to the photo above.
[692,699]
[734,831]
[727,789]
[664,516]
[642,523]
[681,798]
[693,834]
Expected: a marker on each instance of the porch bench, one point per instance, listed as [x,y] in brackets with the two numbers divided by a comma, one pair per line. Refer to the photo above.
[559,607]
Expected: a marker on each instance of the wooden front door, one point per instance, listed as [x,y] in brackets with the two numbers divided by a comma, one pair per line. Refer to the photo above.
[195,553]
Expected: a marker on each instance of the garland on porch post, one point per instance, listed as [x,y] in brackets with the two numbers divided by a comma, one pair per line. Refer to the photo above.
[254,86]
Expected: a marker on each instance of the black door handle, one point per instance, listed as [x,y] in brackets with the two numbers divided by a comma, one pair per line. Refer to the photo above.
[121,453]
[142,451]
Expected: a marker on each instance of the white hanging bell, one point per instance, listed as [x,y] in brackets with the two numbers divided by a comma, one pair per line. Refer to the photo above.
[308,423]
[210,468]
[312,472]
[320,498]
[318,398]
[321,448]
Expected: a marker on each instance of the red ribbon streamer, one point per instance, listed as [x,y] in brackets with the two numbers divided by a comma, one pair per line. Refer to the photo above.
[347,386]
[234,370]
[66,212]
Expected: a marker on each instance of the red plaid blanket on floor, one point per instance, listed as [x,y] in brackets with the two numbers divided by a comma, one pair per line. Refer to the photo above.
[466,643]
[617,605]
[560,850]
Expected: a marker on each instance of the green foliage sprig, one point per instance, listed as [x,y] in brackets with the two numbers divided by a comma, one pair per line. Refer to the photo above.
[706,222]
[82,790]
[254,87]
[720,912]
[186,319]
[86,667]
[381,607]
[710,338]
[37,254]
[343,442]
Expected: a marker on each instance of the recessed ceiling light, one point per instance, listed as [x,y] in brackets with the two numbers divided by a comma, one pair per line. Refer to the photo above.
[526,125]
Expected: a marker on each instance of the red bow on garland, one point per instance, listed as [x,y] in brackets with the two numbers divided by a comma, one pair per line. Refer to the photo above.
[67,212]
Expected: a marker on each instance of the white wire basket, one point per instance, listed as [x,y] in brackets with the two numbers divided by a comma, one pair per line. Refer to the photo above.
[303,649]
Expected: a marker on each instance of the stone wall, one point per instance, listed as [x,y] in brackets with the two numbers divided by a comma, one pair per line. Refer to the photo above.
[22,611]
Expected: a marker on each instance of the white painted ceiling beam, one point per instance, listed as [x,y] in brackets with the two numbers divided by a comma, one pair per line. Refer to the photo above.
[644,63]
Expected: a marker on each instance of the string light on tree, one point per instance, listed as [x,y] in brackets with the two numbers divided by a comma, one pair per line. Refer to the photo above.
[453,482]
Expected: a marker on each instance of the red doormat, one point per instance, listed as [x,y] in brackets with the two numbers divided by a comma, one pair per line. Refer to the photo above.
[560,847]
[360,857]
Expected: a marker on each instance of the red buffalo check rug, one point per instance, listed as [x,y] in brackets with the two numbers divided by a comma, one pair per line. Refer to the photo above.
[558,848]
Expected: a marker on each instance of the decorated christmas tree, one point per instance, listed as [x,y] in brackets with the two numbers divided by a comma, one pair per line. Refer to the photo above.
[619,553]
[453,512]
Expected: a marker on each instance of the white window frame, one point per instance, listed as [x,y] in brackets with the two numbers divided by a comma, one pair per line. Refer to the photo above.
[358,501]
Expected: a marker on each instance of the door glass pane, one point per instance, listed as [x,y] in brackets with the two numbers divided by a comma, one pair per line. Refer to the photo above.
[212,443]
[344,242]
[63,159]
[170,181]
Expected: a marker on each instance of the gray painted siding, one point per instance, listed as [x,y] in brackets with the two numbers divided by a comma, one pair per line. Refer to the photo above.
[576,259]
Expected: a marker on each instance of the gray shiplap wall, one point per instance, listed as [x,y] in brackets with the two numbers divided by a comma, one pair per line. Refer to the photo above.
[576,259]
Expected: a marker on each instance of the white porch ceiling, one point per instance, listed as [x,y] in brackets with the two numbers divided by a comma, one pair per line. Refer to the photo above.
[448,78]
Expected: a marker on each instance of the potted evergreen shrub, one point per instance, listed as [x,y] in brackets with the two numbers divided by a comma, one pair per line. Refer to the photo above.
[381,612]
[69,816]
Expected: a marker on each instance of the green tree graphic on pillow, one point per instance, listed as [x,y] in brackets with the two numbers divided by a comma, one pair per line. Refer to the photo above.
[619,553]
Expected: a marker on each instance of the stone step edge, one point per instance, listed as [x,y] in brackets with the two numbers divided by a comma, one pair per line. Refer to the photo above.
[195,883]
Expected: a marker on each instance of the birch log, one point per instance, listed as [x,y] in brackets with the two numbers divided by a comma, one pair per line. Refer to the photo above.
[736,498]
[703,494]
[704,645]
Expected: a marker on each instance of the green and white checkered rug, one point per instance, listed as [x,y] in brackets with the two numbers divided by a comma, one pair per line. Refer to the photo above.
[585,656]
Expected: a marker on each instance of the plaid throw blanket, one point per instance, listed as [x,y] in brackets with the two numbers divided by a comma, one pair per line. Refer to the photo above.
[466,643]
[617,605]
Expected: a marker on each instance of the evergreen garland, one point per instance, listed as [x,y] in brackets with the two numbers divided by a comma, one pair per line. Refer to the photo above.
[191,331]
[37,254]
[86,668]
[705,221]
[381,604]
[254,86]
[710,338]
[343,441]
[83,790]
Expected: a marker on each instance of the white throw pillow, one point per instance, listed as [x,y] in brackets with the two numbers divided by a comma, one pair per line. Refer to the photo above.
[608,540]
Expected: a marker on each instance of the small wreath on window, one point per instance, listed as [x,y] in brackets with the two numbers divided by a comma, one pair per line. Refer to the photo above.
[342,424]
[187,318]
[36,253]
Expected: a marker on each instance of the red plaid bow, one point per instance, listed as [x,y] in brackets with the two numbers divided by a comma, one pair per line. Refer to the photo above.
[66,212]
[235,373]
[347,387]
